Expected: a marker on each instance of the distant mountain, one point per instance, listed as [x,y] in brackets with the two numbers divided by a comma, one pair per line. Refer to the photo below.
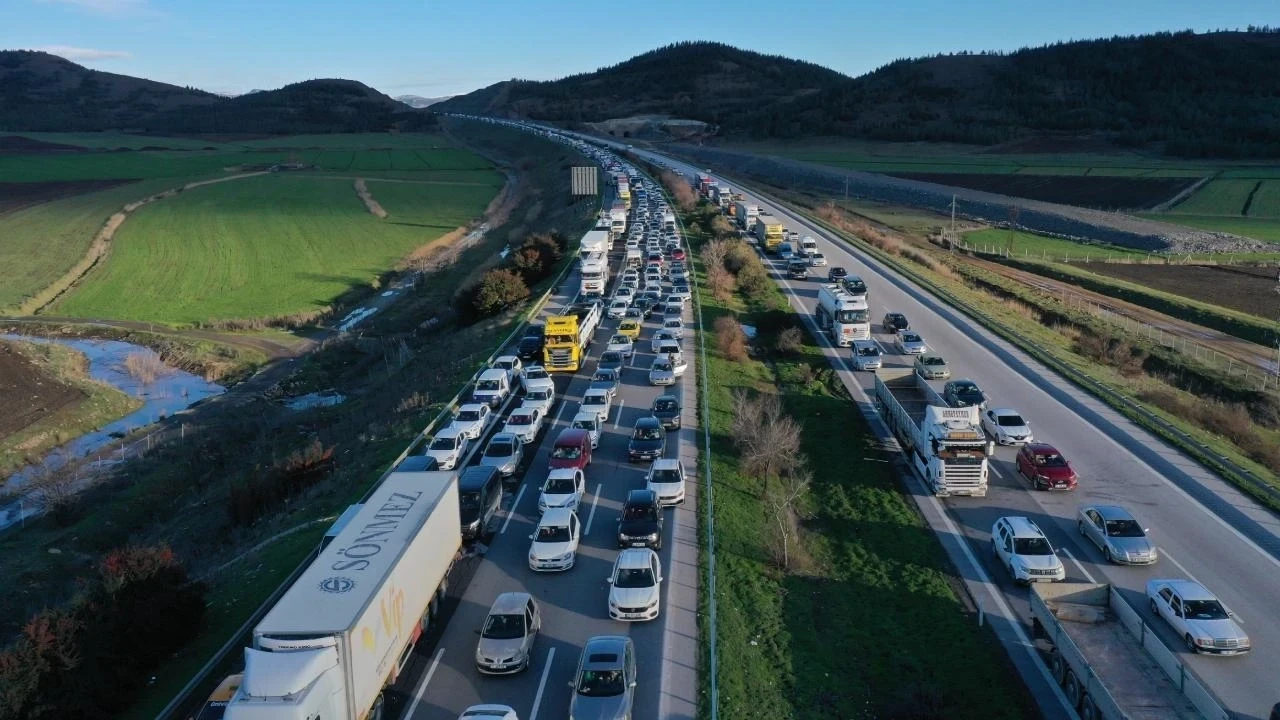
[1186,93]
[417,101]
[43,92]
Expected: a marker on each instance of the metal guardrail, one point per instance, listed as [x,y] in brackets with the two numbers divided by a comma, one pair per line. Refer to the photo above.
[184,696]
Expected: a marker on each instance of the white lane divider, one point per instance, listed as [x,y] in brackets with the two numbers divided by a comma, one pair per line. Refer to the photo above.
[542,685]
[1079,565]
[422,684]
[511,513]
[592,515]
[621,404]
[995,469]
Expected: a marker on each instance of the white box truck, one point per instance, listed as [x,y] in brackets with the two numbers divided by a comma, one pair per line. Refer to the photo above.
[345,629]
[844,317]
[595,241]
[944,446]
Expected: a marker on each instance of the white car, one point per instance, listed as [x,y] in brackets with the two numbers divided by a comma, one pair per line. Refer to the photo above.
[635,586]
[489,712]
[555,541]
[1023,549]
[597,401]
[666,478]
[1206,626]
[448,447]
[675,326]
[590,422]
[626,292]
[563,488]
[534,372]
[524,423]
[1006,426]
[680,290]
[621,344]
[909,342]
[542,397]
[513,366]
[471,420]
[817,260]
[659,337]
[617,309]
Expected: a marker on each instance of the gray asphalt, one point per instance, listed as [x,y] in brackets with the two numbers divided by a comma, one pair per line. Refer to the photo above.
[443,681]
[1205,528]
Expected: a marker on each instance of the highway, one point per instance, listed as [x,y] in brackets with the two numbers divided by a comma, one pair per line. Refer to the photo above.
[443,680]
[1205,528]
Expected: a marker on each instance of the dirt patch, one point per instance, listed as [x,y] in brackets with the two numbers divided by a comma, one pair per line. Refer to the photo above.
[17,195]
[370,204]
[18,144]
[1245,288]
[1099,192]
[27,393]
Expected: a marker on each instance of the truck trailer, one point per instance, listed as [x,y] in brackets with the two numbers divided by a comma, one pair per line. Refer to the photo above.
[569,335]
[746,214]
[1095,652]
[770,234]
[595,241]
[844,317]
[342,633]
[944,446]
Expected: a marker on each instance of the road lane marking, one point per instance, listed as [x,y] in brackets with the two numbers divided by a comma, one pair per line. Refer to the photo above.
[995,469]
[542,685]
[422,684]
[592,515]
[1079,565]
[621,404]
[511,513]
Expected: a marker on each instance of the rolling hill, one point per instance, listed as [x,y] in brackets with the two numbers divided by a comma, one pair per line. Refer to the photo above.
[1185,93]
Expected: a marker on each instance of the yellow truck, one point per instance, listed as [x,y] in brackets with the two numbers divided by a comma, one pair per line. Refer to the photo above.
[770,234]
[567,337]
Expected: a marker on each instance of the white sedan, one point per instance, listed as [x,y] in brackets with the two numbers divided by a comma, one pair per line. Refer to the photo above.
[1198,616]
[524,423]
[621,344]
[817,260]
[617,309]
[661,336]
[563,488]
[635,586]
[448,447]
[555,541]
[1006,426]
[472,419]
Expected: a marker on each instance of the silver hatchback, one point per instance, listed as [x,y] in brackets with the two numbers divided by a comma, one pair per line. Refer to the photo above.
[604,686]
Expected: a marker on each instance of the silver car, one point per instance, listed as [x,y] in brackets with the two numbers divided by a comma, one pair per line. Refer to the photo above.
[504,451]
[1117,534]
[506,640]
[604,686]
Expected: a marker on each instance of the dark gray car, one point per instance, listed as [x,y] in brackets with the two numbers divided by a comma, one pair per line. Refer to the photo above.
[604,686]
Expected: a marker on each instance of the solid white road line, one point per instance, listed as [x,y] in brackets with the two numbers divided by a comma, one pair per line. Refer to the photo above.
[542,685]
[592,515]
[511,513]
[995,469]
[621,404]
[1080,566]
[422,684]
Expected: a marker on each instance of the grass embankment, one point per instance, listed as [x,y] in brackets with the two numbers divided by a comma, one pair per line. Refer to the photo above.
[267,246]
[393,396]
[865,622]
[46,366]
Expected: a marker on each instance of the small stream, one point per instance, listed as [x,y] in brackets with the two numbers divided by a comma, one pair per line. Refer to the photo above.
[172,391]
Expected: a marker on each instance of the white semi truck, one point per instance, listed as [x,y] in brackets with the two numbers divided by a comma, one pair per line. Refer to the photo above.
[594,274]
[1095,642]
[618,219]
[844,317]
[345,629]
[746,214]
[944,446]
[595,241]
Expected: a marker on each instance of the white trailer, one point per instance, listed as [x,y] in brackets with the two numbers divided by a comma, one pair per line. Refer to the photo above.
[342,633]
[595,241]
[944,446]
[594,274]
[746,214]
[844,317]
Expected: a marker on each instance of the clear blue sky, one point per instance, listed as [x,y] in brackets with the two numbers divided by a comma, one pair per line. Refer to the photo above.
[430,47]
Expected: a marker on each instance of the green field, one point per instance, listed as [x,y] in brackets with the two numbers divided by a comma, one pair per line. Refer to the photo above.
[1217,197]
[265,246]
[1266,202]
[1258,228]
[1023,244]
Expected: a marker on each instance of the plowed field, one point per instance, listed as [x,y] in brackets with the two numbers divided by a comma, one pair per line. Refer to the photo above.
[1246,288]
[27,394]
[1101,192]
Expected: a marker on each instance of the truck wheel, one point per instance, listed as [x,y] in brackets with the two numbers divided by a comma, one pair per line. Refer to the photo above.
[1090,710]
[375,712]
[1058,666]
[1075,693]
[433,608]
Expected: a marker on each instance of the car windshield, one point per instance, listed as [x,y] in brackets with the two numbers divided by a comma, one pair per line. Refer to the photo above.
[520,419]
[662,366]
[666,476]
[620,340]
[444,443]
[504,364]
[584,424]
[553,533]
[610,356]
[1124,528]
[488,385]
[1031,546]
[638,512]
[595,399]
[606,375]
[665,406]
[499,448]
[566,452]
[934,361]
[538,395]
[870,351]
[559,486]
[601,683]
[469,500]
[1051,461]
[909,337]
[503,627]
[469,415]
[634,578]
[1010,420]
[648,433]
[1204,610]
[536,373]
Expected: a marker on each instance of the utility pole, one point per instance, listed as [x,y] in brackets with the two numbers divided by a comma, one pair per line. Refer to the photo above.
[951,239]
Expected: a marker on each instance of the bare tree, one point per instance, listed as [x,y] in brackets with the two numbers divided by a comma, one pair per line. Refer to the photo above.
[53,490]
[768,440]
[781,498]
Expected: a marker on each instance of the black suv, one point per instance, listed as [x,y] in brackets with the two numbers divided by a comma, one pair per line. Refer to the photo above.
[963,393]
[893,322]
[648,440]
[667,409]
[837,274]
[530,347]
[641,522]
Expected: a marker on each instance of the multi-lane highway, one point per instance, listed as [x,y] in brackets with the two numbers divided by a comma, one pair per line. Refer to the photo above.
[444,681]
[1206,529]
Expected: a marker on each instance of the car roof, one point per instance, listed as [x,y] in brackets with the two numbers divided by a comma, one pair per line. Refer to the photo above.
[1022,527]
[647,422]
[1005,411]
[507,357]
[595,391]
[634,558]
[449,431]
[642,495]
[1187,589]
[615,645]
[666,396]
[493,373]
[472,406]
[504,437]
[563,473]
[571,435]
[665,464]
[962,381]
[1039,448]
[555,517]
[510,603]
[1111,512]
[476,477]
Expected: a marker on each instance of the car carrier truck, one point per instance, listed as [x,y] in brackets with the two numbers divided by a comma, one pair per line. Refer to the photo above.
[944,446]
[344,630]
[1095,652]
[568,336]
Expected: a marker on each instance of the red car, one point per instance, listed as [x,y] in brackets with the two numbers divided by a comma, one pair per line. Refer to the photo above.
[1045,468]
[677,254]
[571,450]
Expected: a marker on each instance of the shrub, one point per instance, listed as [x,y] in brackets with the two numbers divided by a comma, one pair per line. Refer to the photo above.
[1112,351]
[683,195]
[738,255]
[790,341]
[498,290]
[754,281]
[730,338]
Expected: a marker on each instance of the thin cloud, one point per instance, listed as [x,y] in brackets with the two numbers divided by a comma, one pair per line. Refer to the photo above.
[102,7]
[83,54]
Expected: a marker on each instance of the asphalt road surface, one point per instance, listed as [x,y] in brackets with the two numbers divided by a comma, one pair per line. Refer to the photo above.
[443,681]
[1205,528]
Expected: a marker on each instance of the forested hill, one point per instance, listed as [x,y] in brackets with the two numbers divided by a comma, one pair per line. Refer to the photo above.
[1213,94]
